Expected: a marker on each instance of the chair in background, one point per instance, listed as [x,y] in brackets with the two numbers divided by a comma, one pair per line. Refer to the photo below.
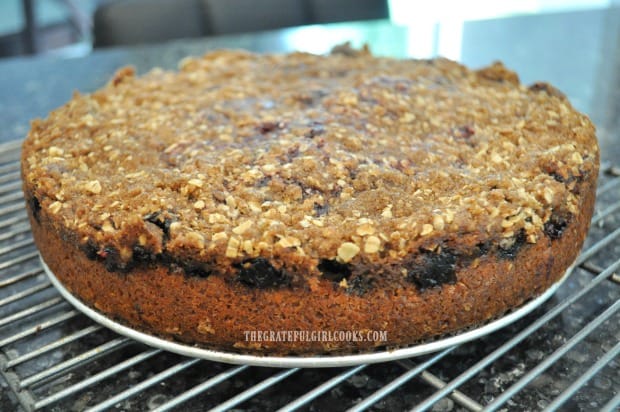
[244,16]
[148,21]
[330,11]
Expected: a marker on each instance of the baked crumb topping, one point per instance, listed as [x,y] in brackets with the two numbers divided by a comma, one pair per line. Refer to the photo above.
[341,157]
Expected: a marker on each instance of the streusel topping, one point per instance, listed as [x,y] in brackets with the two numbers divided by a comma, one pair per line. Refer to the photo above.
[338,157]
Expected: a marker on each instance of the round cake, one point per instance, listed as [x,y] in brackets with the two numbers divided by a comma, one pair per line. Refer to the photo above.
[304,204]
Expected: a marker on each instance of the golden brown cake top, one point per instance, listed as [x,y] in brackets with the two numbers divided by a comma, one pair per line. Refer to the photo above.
[344,156]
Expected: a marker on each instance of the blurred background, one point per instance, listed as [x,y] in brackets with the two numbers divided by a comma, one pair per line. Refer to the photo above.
[72,28]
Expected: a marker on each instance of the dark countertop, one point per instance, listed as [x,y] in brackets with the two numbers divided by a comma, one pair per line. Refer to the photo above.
[578,52]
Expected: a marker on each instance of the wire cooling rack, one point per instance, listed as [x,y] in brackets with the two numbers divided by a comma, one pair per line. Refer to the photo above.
[563,356]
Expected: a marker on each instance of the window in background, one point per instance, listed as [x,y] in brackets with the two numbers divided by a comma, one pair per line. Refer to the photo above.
[61,26]
[435,28]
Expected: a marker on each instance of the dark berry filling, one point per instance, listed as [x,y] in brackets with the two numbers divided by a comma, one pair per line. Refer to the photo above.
[557,177]
[555,226]
[315,130]
[267,127]
[334,270]
[359,285]
[481,249]
[196,269]
[112,259]
[512,247]
[321,210]
[143,255]
[90,249]
[35,208]
[259,273]
[431,269]
[463,132]
[162,222]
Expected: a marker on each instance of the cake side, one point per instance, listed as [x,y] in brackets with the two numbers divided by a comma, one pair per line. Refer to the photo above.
[215,314]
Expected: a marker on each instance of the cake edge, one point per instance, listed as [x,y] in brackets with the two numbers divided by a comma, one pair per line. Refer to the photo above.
[215,314]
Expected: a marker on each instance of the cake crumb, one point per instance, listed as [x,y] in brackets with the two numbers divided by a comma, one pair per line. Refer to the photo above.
[347,251]
[427,229]
[232,249]
[372,244]
[93,187]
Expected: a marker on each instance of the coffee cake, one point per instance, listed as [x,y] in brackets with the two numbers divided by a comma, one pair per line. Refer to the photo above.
[348,192]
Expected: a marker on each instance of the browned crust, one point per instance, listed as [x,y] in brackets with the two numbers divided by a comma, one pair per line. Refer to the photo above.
[215,313]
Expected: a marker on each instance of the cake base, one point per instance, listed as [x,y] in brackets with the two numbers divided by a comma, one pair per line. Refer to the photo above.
[324,361]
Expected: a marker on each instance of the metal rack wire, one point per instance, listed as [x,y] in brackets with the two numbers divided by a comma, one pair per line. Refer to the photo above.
[563,355]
